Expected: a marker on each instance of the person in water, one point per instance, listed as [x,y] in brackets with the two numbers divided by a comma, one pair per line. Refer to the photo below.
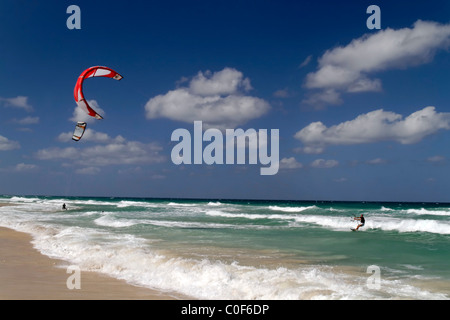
[64,206]
[363,221]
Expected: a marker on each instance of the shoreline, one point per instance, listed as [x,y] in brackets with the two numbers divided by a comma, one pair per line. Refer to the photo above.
[334,273]
[26,274]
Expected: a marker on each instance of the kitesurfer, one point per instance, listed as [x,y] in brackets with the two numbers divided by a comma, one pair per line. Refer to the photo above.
[361,219]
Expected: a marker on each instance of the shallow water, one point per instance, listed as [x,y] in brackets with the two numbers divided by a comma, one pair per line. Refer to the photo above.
[212,249]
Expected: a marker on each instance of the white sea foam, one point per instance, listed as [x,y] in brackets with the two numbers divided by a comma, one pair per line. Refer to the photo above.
[291,209]
[191,225]
[214,204]
[410,225]
[90,202]
[331,222]
[130,259]
[175,204]
[108,221]
[424,211]
[250,216]
[92,213]
[23,199]
[344,223]
[125,204]
[388,224]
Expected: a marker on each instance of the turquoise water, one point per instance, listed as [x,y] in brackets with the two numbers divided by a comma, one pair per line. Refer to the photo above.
[220,249]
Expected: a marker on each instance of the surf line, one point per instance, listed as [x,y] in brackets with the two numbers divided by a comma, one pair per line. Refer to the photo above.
[213,153]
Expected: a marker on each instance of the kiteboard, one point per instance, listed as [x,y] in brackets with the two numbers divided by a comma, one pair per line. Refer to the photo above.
[352,229]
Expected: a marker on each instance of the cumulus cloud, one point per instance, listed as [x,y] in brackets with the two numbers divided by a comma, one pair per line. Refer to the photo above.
[20,167]
[111,151]
[19,102]
[225,82]
[6,144]
[23,167]
[91,135]
[376,161]
[321,163]
[305,62]
[218,99]
[80,115]
[290,163]
[282,93]
[324,98]
[350,68]
[436,159]
[27,120]
[375,126]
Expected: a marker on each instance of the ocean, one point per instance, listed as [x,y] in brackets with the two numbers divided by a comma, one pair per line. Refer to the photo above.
[247,249]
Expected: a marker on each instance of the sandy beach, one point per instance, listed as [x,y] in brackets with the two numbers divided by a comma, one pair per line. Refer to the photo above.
[26,274]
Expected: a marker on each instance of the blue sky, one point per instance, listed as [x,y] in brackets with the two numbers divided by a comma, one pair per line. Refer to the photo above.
[362,114]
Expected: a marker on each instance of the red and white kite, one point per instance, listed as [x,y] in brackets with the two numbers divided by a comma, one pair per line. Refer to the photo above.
[89,73]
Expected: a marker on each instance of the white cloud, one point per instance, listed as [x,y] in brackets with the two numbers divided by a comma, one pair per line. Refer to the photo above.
[22,167]
[375,126]
[348,68]
[91,135]
[6,144]
[27,120]
[218,99]
[111,151]
[436,159]
[324,98]
[134,170]
[305,62]
[225,82]
[20,102]
[309,150]
[80,115]
[282,93]
[290,163]
[321,163]
[376,161]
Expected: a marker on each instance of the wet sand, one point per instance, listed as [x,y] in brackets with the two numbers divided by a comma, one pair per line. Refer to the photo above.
[26,274]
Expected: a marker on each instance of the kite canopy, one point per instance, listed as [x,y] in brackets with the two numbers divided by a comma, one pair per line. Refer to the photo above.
[79,131]
[97,71]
